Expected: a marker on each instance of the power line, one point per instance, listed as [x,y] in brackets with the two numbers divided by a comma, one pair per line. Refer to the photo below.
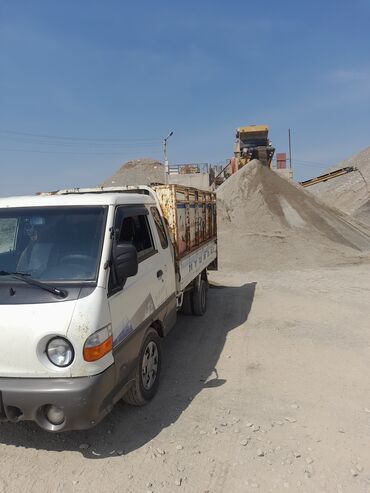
[83,139]
[92,153]
[315,163]
[308,164]
[92,145]
[72,147]
[26,142]
[305,165]
[43,140]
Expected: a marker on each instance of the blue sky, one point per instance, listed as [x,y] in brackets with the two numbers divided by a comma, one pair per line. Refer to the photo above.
[116,76]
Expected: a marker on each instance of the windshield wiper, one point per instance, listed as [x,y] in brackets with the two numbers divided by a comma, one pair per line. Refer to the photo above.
[6,273]
[23,276]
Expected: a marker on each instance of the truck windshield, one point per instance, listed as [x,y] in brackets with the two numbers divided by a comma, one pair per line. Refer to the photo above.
[52,243]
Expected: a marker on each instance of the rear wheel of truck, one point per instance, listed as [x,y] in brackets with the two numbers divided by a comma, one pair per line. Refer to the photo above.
[199,298]
[148,371]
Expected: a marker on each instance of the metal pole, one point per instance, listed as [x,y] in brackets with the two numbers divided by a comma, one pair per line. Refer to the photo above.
[290,149]
[165,154]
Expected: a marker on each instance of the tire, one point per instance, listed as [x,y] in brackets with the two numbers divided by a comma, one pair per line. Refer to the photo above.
[145,386]
[199,298]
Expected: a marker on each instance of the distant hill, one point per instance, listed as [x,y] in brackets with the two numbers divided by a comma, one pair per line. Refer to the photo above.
[142,171]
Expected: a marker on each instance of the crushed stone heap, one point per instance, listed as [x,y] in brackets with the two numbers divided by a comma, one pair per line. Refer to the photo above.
[137,172]
[267,222]
[363,213]
[351,192]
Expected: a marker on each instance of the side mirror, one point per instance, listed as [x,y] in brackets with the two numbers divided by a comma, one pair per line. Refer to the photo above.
[125,261]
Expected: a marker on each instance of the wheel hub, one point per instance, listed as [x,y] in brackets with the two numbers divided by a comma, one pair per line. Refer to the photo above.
[150,365]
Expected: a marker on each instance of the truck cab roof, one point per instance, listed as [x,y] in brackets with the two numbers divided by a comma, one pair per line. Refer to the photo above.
[82,197]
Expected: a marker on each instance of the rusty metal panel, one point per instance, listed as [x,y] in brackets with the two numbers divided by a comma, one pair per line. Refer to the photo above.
[190,214]
[281,160]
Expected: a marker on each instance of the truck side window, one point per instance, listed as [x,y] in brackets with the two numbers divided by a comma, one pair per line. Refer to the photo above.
[135,229]
[160,227]
[8,232]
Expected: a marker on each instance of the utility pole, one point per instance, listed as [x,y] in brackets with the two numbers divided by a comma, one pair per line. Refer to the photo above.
[290,149]
[165,152]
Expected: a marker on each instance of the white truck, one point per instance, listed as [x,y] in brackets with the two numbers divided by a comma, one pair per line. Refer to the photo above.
[90,281]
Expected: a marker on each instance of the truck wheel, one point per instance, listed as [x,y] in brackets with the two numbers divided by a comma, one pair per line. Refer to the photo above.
[200,298]
[148,371]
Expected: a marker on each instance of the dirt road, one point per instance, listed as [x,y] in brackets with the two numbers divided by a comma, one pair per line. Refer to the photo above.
[270,391]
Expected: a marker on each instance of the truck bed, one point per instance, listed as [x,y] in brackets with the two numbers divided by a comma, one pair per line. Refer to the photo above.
[190,266]
[191,218]
[190,214]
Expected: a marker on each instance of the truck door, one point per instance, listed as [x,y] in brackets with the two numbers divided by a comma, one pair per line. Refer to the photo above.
[165,259]
[132,305]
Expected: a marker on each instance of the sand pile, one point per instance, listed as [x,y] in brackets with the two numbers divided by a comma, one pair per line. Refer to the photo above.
[137,172]
[363,213]
[268,222]
[350,192]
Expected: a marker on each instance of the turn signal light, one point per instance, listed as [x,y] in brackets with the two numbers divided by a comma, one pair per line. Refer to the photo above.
[98,344]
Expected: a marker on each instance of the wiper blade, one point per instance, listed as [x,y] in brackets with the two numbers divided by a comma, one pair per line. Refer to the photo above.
[23,276]
[6,273]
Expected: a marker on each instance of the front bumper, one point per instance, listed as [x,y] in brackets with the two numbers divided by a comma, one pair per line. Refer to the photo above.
[84,400]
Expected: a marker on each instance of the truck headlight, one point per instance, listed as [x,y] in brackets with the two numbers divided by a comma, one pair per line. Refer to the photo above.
[60,351]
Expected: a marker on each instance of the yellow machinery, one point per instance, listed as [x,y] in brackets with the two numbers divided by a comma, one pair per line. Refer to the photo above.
[328,176]
[252,142]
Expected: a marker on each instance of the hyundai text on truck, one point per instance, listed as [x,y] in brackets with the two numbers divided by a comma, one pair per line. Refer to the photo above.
[91,280]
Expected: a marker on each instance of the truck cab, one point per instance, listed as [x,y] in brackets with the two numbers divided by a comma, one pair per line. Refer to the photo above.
[83,278]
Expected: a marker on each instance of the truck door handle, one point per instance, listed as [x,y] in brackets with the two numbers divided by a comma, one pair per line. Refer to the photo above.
[159,273]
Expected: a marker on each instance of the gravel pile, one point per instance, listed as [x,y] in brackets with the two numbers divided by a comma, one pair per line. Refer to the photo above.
[143,171]
[363,213]
[268,222]
[350,192]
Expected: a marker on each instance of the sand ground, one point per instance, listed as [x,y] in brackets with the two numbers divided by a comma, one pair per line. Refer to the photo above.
[270,391]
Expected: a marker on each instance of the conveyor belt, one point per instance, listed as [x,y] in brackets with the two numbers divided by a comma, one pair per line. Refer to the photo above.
[328,176]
